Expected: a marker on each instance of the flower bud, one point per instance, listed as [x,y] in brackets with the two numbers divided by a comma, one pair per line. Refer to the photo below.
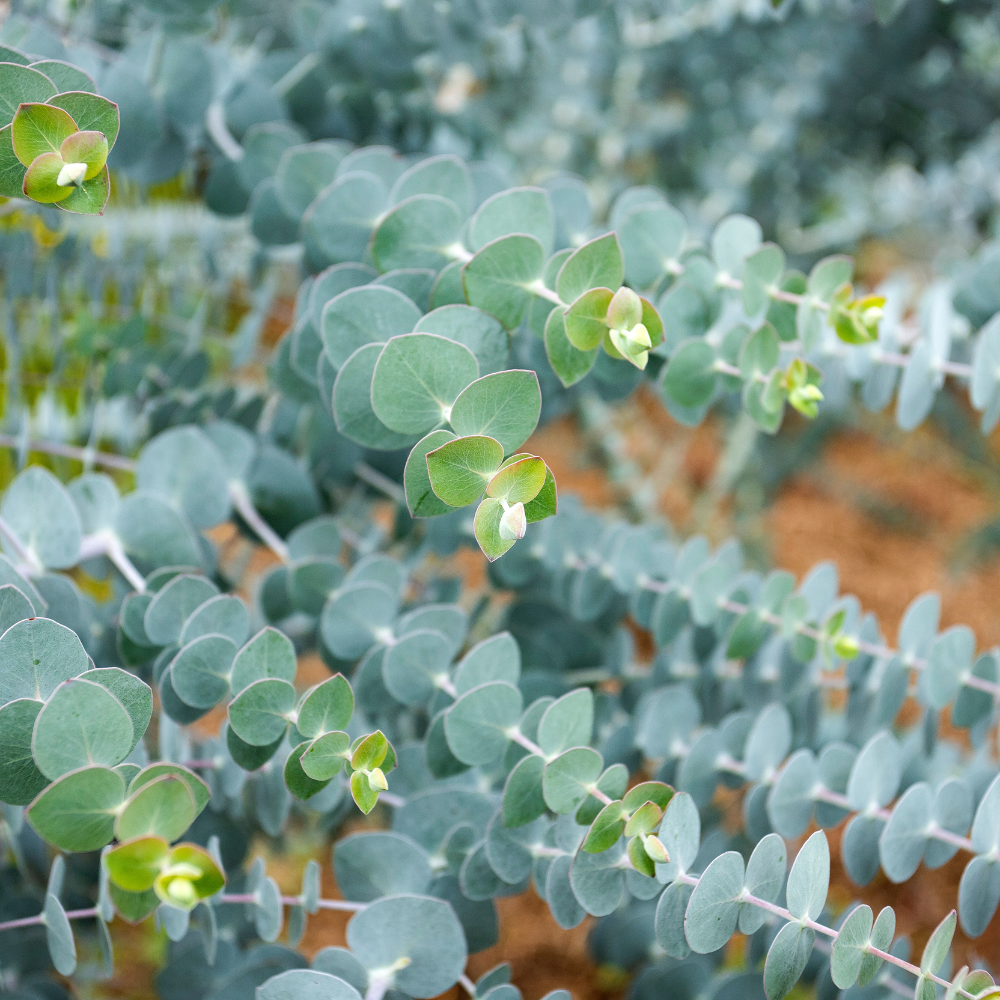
[376,780]
[625,310]
[72,175]
[655,849]
[513,523]
[181,893]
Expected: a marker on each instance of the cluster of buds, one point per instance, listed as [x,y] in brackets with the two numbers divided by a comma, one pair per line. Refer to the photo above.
[626,331]
[801,383]
[855,320]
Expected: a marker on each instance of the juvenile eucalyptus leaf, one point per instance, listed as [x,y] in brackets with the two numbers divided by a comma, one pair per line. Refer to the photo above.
[714,908]
[786,959]
[476,725]
[423,930]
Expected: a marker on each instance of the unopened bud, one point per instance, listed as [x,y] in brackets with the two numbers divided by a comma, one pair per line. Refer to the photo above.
[181,893]
[72,175]
[624,310]
[513,523]
[376,780]
[655,849]
[846,647]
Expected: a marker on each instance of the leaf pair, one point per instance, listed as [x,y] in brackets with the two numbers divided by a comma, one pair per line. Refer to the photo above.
[65,165]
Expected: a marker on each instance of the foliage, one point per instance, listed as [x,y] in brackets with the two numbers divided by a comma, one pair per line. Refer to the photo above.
[443,312]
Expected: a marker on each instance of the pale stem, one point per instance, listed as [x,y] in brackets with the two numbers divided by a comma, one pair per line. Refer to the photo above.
[600,796]
[39,918]
[297,73]
[518,737]
[378,987]
[380,482]
[215,125]
[23,552]
[85,455]
[446,685]
[467,984]
[106,543]
[323,904]
[539,288]
[244,506]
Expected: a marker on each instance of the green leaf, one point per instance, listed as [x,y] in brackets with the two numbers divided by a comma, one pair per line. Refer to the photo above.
[460,470]
[714,909]
[64,75]
[20,779]
[224,614]
[301,784]
[91,197]
[518,482]
[83,147]
[12,170]
[569,363]
[355,616]
[476,724]
[497,279]
[567,722]
[417,378]
[134,694]
[20,85]
[170,607]
[445,175]
[371,752]
[418,936]
[849,947]
[306,984]
[163,807]
[691,379]
[497,658]
[369,314]
[81,724]
[199,672]
[38,129]
[763,269]
[420,497]
[269,654]
[415,665]
[522,210]
[326,708]
[651,240]
[586,318]
[523,792]
[568,778]
[418,232]
[337,226]
[77,811]
[606,829]
[59,936]
[597,264]
[133,866]
[505,406]
[787,959]
[41,513]
[478,331]
[938,945]
[259,713]
[352,403]
[365,797]
[486,525]
[90,112]
[199,790]
[809,879]
[881,937]
[765,876]
[325,756]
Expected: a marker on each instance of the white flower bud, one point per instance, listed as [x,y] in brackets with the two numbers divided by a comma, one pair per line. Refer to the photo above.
[513,524]
[72,174]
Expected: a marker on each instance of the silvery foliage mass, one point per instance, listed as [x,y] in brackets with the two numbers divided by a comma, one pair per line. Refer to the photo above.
[823,120]
[501,745]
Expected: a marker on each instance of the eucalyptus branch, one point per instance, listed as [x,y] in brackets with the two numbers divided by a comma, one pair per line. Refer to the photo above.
[244,506]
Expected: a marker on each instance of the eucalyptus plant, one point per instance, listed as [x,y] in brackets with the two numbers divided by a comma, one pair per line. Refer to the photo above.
[443,312]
